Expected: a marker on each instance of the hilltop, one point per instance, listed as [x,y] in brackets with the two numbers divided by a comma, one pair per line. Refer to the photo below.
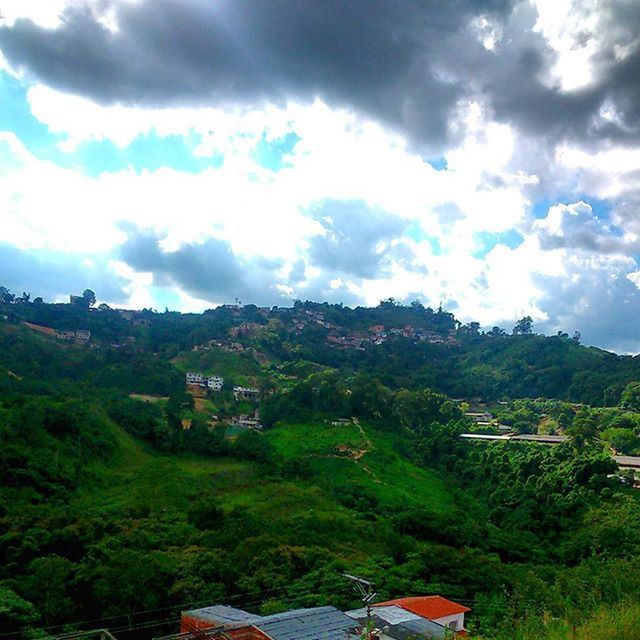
[403,346]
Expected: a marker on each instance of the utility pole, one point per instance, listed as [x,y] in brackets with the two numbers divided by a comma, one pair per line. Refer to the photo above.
[366,592]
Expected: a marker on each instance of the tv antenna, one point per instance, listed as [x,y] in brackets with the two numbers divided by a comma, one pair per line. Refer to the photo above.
[366,592]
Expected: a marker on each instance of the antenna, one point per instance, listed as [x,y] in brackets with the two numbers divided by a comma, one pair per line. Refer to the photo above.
[367,594]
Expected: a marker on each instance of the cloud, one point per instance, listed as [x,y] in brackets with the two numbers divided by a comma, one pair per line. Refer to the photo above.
[576,226]
[596,296]
[356,239]
[53,275]
[405,64]
[208,270]
[380,58]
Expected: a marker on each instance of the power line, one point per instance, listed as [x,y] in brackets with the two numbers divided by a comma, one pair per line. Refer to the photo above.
[234,597]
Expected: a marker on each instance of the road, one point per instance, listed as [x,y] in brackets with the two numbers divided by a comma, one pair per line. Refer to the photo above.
[624,462]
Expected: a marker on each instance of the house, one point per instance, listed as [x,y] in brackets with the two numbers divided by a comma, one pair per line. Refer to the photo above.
[200,380]
[396,623]
[318,623]
[215,383]
[434,608]
[480,417]
[79,336]
[245,422]
[246,393]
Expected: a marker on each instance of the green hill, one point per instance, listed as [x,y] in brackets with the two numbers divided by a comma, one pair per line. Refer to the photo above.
[112,513]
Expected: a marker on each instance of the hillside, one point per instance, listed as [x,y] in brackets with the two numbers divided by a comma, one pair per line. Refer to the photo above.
[409,347]
[112,511]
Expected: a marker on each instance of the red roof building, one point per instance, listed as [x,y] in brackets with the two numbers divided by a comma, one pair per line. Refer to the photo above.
[435,608]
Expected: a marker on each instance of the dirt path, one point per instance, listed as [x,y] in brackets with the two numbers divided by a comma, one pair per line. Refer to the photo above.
[368,444]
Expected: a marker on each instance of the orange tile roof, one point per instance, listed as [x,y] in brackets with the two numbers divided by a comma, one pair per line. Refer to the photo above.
[430,607]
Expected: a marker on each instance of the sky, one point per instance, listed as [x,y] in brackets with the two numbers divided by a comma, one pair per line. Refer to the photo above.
[187,153]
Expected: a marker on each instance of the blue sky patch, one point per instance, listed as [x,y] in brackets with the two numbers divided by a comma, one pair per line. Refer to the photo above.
[270,153]
[600,208]
[439,164]
[418,234]
[487,241]
[164,297]
[147,152]
[16,116]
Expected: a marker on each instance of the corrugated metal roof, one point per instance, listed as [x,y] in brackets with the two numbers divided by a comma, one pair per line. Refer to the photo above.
[421,627]
[320,623]
[409,629]
[222,614]
[391,614]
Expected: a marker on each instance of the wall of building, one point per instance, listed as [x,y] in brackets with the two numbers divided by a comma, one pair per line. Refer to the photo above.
[189,624]
[458,618]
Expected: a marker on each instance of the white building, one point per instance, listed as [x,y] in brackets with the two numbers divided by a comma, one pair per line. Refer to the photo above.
[245,422]
[246,393]
[215,383]
[199,379]
[437,609]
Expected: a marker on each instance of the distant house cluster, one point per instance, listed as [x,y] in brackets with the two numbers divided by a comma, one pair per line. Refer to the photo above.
[245,329]
[79,336]
[246,393]
[246,422]
[429,617]
[310,317]
[482,418]
[214,383]
[378,335]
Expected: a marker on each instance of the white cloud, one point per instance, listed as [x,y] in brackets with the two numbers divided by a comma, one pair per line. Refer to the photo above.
[46,13]
[340,156]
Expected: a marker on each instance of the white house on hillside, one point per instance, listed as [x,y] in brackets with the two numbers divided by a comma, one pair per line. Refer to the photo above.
[212,382]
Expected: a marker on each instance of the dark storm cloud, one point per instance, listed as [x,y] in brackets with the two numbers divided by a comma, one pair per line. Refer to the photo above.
[58,274]
[405,63]
[353,230]
[520,93]
[210,270]
[388,59]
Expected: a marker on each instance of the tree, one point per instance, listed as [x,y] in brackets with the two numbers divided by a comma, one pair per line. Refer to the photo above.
[206,513]
[470,329]
[497,332]
[15,612]
[584,427]
[523,326]
[6,297]
[631,397]
[89,297]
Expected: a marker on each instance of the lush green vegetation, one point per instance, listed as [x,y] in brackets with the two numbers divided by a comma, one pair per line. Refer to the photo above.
[112,513]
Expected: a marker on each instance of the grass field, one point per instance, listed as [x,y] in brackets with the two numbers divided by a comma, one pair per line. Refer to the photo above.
[374,464]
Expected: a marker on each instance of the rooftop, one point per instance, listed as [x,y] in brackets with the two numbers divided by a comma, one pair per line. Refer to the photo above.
[319,623]
[401,624]
[430,607]
[221,614]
